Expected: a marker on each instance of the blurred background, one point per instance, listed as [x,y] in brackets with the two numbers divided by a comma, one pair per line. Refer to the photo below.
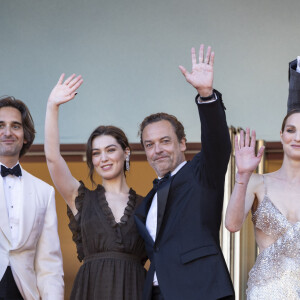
[128,52]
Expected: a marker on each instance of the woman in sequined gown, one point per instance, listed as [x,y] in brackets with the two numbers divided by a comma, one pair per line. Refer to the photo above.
[101,220]
[274,200]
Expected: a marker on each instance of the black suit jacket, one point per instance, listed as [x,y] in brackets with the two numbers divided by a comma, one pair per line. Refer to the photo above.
[294,87]
[186,254]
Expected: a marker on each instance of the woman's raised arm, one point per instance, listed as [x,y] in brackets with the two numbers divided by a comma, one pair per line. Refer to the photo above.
[65,183]
[243,193]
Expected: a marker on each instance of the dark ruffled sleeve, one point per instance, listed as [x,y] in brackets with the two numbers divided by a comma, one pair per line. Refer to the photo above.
[130,206]
[75,221]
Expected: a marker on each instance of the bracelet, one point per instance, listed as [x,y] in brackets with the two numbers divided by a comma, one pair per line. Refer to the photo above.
[239,182]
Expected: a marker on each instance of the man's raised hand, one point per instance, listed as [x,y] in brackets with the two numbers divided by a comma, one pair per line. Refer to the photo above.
[202,73]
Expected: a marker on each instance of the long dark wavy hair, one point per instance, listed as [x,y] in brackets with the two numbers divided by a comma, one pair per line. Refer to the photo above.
[113,131]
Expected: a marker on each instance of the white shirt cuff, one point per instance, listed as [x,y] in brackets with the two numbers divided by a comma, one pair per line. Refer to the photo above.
[210,101]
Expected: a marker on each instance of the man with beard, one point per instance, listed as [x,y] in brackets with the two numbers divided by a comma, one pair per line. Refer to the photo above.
[180,217]
[30,255]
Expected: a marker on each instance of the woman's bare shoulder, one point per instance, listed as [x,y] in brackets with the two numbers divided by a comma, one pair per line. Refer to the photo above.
[256,181]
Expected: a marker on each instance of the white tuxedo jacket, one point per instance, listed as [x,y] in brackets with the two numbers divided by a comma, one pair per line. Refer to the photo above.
[36,261]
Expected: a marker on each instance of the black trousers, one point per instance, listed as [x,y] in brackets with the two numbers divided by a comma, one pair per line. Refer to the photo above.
[156,293]
[8,287]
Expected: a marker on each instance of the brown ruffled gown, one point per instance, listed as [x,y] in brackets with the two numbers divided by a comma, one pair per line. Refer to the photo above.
[113,253]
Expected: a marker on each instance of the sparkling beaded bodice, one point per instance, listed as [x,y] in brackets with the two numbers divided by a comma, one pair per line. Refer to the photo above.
[272,222]
[269,219]
[276,273]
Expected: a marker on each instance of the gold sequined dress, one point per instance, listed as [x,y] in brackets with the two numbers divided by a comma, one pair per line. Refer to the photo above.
[276,273]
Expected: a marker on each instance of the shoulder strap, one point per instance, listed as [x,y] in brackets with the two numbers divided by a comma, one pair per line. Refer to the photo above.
[265,186]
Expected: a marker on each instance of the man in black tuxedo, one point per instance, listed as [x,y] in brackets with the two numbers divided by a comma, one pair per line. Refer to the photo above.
[294,85]
[180,217]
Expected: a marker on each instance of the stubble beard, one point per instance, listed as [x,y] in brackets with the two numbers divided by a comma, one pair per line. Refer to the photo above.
[10,151]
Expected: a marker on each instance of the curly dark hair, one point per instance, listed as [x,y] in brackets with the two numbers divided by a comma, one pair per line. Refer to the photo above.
[27,121]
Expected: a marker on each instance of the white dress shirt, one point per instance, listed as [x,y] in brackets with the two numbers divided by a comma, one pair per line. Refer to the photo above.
[13,197]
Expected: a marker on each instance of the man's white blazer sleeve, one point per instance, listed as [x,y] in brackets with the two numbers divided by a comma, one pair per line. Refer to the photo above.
[48,260]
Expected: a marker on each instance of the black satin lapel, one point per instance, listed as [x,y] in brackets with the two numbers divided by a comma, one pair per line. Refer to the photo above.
[140,217]
[162,197]
[142,210]
[143,231]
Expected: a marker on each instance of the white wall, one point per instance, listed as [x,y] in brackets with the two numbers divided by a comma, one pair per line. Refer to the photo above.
[128,52]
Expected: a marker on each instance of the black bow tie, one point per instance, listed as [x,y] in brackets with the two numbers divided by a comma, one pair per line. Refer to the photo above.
[16,170]
[158,182]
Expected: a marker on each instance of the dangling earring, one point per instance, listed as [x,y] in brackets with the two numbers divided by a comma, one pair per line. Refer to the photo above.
[127,162]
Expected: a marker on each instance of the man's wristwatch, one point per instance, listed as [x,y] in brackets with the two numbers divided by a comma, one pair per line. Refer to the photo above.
[213,96]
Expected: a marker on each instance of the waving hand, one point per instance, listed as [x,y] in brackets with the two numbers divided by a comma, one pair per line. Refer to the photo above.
[65,91]
[202,73]
[246,160]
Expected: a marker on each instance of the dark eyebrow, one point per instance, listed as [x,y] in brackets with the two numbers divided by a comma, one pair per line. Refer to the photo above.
[112,145]
[147,141]
[164,137]
[13,122]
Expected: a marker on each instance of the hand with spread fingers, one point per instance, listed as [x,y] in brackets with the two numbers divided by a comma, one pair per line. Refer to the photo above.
[202,73]
[65,91]
[246,160]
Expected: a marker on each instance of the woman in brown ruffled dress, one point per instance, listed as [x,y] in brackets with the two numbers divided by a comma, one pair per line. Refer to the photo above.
[101,220]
